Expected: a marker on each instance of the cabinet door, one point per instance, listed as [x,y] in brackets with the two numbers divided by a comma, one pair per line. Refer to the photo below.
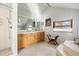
[20,44]
[41,35]
[31,39]
[38,36]
[20,37]
[20,41]
[25,40]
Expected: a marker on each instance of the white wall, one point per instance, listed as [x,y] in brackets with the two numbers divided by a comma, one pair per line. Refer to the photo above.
[4,27]
[62,14]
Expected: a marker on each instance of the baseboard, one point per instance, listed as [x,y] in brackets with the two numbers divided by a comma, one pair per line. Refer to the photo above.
[5,49]
[5,52]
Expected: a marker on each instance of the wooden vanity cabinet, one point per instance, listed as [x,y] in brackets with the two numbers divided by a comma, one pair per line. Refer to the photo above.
[42,36]
[29,38]
[20,41]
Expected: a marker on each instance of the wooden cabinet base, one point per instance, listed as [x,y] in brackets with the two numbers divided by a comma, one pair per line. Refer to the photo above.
[28,39]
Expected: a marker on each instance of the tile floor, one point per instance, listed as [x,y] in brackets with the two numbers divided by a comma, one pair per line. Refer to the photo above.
[39,49]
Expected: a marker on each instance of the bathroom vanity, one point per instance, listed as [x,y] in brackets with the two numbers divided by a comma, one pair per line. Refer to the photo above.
[28,38]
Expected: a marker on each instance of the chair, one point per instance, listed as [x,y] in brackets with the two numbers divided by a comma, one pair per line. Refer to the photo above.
[53,40]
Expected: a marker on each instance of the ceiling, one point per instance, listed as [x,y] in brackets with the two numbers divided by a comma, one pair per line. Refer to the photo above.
[7,4]
[65,5]
[46,5]
[23,8]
